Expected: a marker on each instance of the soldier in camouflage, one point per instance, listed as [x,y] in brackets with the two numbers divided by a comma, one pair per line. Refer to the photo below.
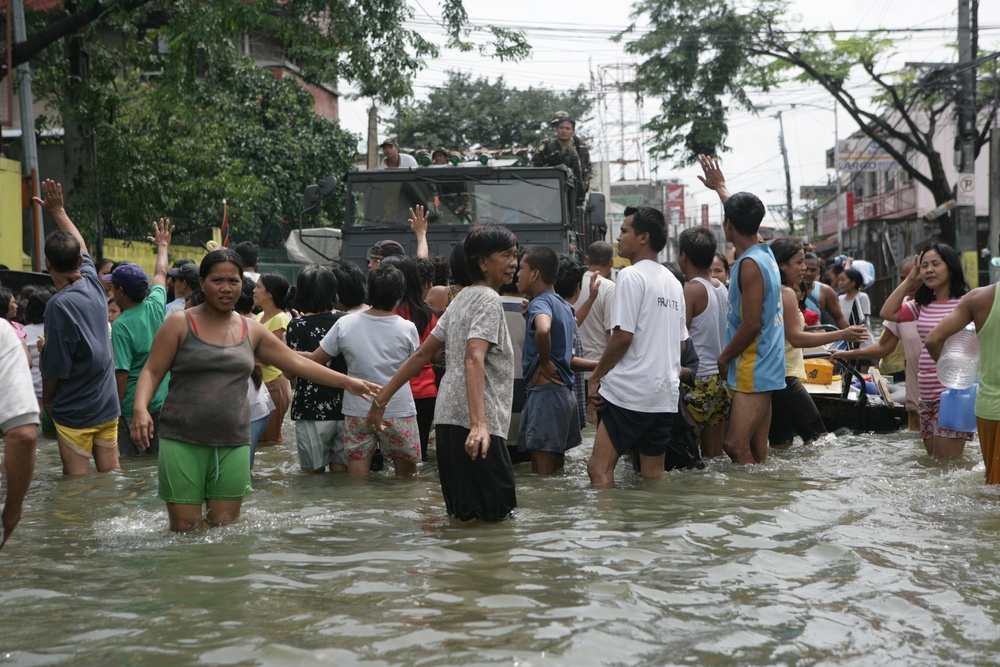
[586,168]
[560,150]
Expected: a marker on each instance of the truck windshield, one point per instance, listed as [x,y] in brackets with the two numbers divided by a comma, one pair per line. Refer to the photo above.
[508,201]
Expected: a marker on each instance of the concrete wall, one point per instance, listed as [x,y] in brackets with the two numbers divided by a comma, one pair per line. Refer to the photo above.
[143,253]
[11,233]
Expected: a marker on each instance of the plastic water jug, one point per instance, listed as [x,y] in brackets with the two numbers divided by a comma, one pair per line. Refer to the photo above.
[958,364]
[958,409]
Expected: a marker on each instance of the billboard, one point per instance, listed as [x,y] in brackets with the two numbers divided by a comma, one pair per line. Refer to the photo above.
[865,154]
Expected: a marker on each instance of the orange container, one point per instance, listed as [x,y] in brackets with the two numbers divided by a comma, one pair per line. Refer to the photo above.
[819,371]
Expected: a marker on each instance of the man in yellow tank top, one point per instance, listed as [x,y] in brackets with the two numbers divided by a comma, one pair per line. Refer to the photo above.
[979,306]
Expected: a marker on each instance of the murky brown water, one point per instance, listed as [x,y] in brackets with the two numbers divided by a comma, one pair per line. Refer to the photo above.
[855,551]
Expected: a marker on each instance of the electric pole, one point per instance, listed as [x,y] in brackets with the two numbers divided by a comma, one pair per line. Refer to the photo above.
[788,177]
[965,212]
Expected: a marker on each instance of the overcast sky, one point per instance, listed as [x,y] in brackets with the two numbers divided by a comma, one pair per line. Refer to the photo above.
[570,46]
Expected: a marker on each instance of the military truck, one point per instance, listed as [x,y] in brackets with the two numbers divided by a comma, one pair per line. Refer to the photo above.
[537,204]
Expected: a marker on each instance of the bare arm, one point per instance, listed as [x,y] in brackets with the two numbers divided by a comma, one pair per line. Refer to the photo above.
[831,304]
[121,382]
[19,464]
[890,309]
[886,346]
[49,387]
[418,223]
[273,351]
[478,441]
[161,358]
[617,346]
[53,203]
[795,335]
[423,355]
[584,309]
[696,300]
[161,239]
[957,320]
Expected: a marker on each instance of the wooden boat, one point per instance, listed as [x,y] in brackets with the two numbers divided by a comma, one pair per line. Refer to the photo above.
[861,413]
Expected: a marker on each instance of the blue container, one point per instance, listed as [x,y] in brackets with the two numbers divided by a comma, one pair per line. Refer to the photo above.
[958,409]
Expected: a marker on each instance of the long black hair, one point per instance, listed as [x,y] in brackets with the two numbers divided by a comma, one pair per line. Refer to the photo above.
[784,249]
[956,284]
[416,309]
[277,285]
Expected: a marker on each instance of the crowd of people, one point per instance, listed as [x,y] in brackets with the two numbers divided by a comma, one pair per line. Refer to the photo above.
[507,361]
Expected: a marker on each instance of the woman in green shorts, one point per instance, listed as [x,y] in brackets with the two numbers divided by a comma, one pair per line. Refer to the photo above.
[205,421]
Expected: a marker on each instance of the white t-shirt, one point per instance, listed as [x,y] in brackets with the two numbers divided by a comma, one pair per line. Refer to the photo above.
[252,275]
[261,403]
[405,162]
[593,330]
[649,304]
[34,331]
[19,405]
[374,348]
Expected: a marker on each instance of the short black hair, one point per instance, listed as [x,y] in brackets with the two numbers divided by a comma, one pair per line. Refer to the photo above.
[648,220]
[315,289]
[483,241]
[63,251]
[350,284]
[570,277]
[600,253]
[544,260]
[699,244]
[386,286]
[249,253]
[442,270]
[745,211]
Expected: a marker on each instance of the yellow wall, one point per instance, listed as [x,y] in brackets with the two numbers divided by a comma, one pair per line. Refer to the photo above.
[144,254]
[11,237]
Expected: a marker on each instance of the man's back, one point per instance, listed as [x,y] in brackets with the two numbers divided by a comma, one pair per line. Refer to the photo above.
[78,352]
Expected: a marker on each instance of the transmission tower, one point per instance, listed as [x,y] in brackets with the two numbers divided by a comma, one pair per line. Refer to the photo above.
[621,141]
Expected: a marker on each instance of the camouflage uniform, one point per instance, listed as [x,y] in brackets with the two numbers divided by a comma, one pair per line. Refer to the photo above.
[550,153]
[586,168]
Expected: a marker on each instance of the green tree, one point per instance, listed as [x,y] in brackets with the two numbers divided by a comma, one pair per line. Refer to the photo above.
[703,57]
[465,113]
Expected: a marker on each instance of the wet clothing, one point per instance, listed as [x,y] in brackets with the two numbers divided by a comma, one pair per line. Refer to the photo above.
[78,352]
[649,432]
[989,443]
[988,393]
[190,474]
[315,401]
[480,489]
[793,412]
[550,420]
[761,366]
[131,338]
[709,401]
[649,304]
[709,326]
[206,401]
[930,428]
[927,317]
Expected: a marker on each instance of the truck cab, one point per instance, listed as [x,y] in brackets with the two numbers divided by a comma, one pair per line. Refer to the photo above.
[537,204]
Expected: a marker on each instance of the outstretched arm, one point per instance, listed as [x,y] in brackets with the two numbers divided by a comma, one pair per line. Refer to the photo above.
[161,239]
[53,203]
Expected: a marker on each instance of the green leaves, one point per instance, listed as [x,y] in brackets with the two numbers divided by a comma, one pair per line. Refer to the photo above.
[466,112]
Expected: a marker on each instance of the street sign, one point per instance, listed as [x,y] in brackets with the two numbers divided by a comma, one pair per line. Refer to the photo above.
[966,195]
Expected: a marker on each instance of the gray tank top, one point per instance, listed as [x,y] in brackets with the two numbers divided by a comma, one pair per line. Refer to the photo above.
[206,401]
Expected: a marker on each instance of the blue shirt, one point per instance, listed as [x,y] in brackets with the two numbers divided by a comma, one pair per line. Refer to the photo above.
[561,332]
[78,353]
[761,366]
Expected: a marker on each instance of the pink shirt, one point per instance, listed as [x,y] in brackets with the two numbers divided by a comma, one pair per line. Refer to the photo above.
[926,318]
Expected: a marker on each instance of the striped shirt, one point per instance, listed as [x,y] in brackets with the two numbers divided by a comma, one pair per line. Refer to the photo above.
[927,317]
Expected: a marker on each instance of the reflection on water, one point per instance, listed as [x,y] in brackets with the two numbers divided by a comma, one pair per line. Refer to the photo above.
[853,551]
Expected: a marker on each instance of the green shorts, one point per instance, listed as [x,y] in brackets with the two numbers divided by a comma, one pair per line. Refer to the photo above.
[191,474]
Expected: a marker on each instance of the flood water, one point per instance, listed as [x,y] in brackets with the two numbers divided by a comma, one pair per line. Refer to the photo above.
[859,550]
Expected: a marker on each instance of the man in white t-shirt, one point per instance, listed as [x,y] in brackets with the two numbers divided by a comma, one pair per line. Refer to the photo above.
[18,423]
[636,383]
[393,158]
[593,307]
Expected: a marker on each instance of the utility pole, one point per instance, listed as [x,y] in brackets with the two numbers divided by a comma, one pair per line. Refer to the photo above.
[373,135]
[965,213]
[788,177]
